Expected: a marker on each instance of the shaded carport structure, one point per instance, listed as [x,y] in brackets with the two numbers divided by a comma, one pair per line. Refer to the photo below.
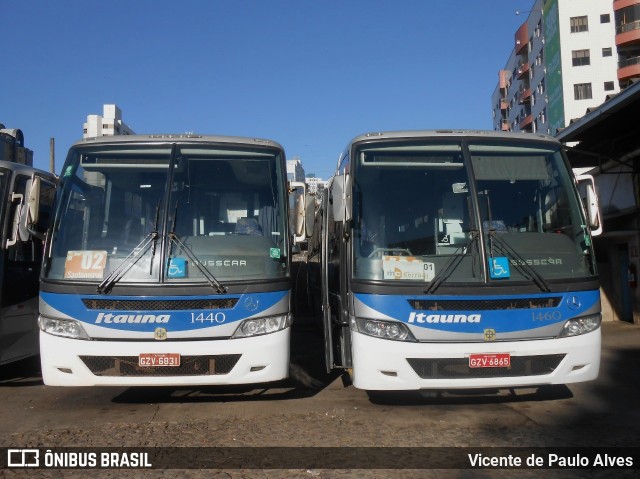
[607,139]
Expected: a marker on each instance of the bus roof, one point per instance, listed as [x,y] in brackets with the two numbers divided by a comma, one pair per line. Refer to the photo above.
[24,169]
[450,133]
[173,138]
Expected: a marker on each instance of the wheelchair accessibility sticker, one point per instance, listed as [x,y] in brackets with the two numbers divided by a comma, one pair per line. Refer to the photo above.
[499,268]
[177,268]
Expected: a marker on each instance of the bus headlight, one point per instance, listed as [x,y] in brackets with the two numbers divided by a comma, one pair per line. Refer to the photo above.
[578,326]
[260,326]
[67,328]
[384,329]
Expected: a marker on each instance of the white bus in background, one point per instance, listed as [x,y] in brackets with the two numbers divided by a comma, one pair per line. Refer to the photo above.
[168,263]
[21,256]
[456,259]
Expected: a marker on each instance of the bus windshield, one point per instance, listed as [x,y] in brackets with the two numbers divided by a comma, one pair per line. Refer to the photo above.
[179,213]
[467,211]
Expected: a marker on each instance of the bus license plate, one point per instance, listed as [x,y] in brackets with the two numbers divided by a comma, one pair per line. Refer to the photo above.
[159,359]
[492,360]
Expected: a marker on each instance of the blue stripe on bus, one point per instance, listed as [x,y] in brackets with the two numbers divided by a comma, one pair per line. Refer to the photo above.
[249,304]
[573,305]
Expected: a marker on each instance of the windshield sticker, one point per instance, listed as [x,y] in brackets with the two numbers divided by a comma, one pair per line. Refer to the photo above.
[85,264]
[274,253]
[177,268]
[499,267]
[407,267]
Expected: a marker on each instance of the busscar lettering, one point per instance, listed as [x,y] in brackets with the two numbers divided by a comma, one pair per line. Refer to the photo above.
[222,263]
[110,318]
[443,318]
[537,262]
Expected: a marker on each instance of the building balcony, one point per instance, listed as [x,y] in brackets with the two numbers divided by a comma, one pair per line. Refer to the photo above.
[620,4]
[629,68]
[523,70]
[628,34]
[504,76]
[527,123]
[627,29]
[505,125]
[525,96]
[522,39]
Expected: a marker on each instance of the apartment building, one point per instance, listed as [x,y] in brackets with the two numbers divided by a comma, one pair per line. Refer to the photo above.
[109,124]
[295,171]
[564,61]
[315,185]
[627,22]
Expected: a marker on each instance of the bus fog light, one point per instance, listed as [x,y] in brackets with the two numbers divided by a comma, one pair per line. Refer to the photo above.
[66,328]
[260,326]
[578,326]
[384,329]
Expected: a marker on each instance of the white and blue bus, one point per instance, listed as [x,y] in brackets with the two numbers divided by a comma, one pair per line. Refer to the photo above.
[168,263]
[456,259]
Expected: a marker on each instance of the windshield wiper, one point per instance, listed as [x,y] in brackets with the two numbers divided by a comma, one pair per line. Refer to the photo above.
[519,262]
[451,265]
[128,263]
[154,239]
[173,238]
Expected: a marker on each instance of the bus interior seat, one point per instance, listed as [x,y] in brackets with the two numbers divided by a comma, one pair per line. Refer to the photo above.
[451,219]
[248,226]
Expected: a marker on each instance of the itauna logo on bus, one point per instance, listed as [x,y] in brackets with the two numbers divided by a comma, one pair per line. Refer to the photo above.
[443,318]
[109,318]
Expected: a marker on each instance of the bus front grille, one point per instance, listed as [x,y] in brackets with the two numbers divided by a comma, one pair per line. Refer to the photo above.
[189,366]
[159,304]
[484,304]
[458,368]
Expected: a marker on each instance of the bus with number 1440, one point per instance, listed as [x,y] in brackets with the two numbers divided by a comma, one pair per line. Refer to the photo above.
[168,263]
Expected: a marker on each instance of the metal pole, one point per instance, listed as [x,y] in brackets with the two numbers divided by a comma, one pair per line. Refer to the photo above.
[52,155]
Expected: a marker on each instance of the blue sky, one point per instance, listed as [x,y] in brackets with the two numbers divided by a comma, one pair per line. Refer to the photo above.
[308,74]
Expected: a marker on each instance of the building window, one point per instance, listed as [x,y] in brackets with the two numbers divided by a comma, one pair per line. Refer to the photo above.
[582,91]
[540,87]
[607,52]
[542,116]
[580,58]
[605,18]
[579,24]
[608,86]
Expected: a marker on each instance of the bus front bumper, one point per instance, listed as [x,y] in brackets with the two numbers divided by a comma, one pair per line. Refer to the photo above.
[380,364]
[254,360]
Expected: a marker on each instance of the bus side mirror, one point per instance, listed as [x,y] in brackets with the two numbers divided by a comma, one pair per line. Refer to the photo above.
[31,211]
[341,197]
[309,216]
[15,222]
[587,188]
[298,210]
